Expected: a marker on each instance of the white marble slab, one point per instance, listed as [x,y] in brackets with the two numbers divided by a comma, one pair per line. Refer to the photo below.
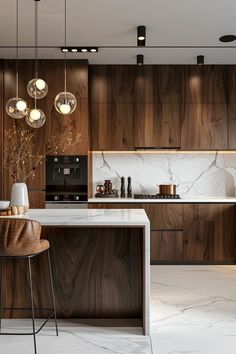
[201,174]
[89,217]
[222,200]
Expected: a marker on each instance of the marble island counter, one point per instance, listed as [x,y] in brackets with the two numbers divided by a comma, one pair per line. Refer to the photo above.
[101,265]
[182,200]
[89,217]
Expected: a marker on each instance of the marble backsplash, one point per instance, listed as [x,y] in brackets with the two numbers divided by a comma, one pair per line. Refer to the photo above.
[202,174]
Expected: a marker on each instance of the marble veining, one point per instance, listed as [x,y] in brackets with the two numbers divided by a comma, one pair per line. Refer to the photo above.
[192,311]
[195,174]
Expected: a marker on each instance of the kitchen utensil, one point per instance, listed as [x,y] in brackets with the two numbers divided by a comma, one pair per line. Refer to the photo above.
[122,187]
[167,189]
[129,188]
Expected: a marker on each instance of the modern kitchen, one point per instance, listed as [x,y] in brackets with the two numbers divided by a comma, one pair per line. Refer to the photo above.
[117,177]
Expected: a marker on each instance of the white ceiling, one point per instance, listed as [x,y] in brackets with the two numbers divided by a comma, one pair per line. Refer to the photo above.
[114,22]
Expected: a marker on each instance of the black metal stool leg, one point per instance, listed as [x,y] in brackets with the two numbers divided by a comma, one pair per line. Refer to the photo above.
[32,303]
[1,292]
[52,290]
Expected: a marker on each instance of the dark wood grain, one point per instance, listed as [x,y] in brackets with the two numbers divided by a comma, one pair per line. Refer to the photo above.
[166,245]
[97,274]
[209,231]
[37,199]
[112,126]
[159,83]
[206,83]
[112,83]
[164,216]
[157,125]
[204,126]
[1,127]
[231,126]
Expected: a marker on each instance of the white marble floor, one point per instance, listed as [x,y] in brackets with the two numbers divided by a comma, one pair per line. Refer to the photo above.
[193,311]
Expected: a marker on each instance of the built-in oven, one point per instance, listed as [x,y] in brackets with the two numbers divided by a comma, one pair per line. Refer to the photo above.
[66,181]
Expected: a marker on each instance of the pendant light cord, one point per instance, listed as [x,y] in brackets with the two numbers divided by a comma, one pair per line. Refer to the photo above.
[65,52]
[36,48]
[36,39]
[17,48]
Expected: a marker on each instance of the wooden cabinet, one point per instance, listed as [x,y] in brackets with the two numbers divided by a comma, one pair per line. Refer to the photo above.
[209,232]
[112,126]
[157,125]
[188,233]
[166,246]
[204,126]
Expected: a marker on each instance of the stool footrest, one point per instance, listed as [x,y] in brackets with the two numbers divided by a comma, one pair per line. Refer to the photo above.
[28,309]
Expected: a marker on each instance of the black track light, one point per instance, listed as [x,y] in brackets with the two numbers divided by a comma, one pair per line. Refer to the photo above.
[79,49]
[141,36]
[200,60]
[140,59]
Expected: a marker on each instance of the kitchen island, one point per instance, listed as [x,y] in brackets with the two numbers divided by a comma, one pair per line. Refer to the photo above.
[101,263]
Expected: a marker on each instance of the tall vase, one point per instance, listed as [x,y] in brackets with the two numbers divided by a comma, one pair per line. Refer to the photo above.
[19,196]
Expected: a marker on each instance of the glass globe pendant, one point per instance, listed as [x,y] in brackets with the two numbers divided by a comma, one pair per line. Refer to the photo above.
[65,103]
[16,108]
[35,118]
[37,88]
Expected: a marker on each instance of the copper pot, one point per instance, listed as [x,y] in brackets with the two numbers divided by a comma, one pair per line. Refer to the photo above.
[167,189]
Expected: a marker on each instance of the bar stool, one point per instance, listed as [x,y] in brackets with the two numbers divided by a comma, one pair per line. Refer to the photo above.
[20,239]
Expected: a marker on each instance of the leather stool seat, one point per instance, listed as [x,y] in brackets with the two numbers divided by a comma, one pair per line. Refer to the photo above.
[21,237]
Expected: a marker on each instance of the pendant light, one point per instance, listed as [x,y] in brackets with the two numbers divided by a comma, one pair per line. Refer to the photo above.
[37,88]
[65,102]
[16,107]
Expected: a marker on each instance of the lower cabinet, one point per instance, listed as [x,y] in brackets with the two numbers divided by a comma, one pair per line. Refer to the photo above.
[166,245]
[189,233]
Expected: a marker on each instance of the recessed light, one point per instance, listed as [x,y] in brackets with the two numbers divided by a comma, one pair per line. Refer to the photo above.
[84,50]
[140,59]
[93,50]
[227,38]
[65,50]
[74,50]
[200,60]
[141,36]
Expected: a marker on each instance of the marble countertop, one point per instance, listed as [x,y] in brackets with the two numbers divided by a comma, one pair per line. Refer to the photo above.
[88,217]
[220,200]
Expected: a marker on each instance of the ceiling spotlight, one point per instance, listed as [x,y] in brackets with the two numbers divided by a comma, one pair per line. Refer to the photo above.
[141,36]
[140,59]
[74,50]
[93,50]
[64,50]
[227,38]
[84,50]
[200,60]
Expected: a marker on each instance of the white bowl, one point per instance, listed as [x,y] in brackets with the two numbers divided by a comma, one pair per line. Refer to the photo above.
[4,204]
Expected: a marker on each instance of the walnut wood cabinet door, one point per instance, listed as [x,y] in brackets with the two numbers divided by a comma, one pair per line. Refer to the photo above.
[209,232]
[157,125]
[166,246]
[112,126]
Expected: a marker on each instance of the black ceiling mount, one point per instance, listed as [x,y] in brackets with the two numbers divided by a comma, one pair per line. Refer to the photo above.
[227,38]
[200,60]
[140,59]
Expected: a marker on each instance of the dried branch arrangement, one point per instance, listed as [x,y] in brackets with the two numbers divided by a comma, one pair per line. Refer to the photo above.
[20,144]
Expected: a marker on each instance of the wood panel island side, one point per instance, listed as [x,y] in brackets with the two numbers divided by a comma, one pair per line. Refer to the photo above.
[101,267]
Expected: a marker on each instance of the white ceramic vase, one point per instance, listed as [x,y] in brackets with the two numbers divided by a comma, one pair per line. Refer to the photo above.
[19,196]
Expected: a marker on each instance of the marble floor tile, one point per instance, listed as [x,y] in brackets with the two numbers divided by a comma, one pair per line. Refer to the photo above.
[193,310]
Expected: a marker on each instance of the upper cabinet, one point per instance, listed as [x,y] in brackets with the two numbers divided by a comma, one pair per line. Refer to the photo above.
[112,107]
